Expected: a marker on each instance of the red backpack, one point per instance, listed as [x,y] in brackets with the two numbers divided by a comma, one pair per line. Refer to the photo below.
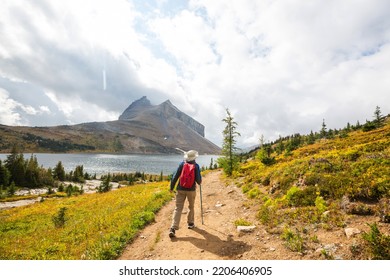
[187,177]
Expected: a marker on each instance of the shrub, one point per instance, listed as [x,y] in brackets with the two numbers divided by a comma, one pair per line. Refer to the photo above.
[298,197]
[294,241]
[242,222]
[254,192]
[320,204]
[246,188]
[59,219]
[268,213]
[11,189]
[378,243]
[105,185]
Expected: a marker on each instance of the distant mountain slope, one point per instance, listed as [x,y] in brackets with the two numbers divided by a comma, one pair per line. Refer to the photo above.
[142,128]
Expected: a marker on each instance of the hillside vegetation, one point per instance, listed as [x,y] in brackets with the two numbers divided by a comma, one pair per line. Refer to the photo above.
[321,185]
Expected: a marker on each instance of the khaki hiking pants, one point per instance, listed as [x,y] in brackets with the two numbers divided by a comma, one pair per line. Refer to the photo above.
[180,199]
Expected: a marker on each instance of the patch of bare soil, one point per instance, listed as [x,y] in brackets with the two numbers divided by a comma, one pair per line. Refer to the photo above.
[218,239]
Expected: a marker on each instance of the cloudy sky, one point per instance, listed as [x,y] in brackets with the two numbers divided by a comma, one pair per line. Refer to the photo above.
[279,66]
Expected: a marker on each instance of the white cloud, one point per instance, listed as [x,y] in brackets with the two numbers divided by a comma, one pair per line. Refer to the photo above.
[13,112]
[279,66]
[187,37]
[44,109]
[7,114]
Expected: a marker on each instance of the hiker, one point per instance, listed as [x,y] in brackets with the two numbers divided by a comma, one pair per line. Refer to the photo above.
[189,174]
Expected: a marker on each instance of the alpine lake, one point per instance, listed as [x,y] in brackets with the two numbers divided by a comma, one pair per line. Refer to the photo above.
[101,164]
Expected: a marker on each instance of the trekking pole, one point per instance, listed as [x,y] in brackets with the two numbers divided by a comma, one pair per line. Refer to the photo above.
[201,206]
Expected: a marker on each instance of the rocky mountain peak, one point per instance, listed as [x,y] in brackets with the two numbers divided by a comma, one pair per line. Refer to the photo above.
[137,105]
[142,111]
[142,102]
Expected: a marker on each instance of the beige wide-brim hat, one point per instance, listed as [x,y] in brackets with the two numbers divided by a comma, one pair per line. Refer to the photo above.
[190,155]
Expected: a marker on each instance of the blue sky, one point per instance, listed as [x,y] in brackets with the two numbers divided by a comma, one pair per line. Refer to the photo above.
[280,66]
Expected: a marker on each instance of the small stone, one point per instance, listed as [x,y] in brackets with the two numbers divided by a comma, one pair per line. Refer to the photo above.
[349,232]
[245,228]
[219,204]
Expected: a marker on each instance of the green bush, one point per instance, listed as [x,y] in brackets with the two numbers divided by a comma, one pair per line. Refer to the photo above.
[298,197]
[59,219]
[268,213]
[320,204]
[294,241]
[242,222]
[379,244]
[254,192]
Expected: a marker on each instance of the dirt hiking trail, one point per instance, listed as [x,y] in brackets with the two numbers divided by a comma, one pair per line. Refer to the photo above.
[218,238]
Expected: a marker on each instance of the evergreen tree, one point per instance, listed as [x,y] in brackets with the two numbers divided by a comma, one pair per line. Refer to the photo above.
[11,189]
[4,175]
[46,177]
[280,146]
[264,154]
[78,174]
[378,118]
[15,164]
[105,185]
[323,132]
[358,125]
[229,161]
[311,138]
[59,172]
[32,173]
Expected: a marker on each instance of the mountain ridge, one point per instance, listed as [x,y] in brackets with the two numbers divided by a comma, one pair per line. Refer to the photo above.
[164,110]
[142,128]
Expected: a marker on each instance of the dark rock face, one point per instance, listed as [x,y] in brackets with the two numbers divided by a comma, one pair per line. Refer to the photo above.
[166,111]
[135,108]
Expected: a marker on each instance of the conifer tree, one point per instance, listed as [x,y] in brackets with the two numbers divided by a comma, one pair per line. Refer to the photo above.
[16,165]
[4,176]
[323,132]
[59,172]
[311,138]
[378,118]
[229,161]
[32,173]
[280,145]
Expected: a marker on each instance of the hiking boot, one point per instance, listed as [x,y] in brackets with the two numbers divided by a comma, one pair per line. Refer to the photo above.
[191,225]
[172,233]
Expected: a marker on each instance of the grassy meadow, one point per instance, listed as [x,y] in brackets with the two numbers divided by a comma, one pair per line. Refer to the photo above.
[89,226]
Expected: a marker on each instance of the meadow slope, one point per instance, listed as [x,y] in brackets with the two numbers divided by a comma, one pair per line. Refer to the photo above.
[218,238]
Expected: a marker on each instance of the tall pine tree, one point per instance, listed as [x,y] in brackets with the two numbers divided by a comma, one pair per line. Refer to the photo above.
[229,161]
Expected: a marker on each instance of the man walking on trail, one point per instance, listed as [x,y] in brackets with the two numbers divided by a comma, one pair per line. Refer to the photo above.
[189,174]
